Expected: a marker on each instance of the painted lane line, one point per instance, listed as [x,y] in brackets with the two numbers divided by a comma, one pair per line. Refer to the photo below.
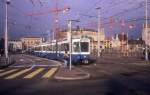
[50,73]
[35,66]
[7,72]
[17,74]
[32,66]
[34,73]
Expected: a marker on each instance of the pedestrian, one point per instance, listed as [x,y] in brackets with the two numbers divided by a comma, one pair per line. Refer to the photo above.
[66,57]
[100,52]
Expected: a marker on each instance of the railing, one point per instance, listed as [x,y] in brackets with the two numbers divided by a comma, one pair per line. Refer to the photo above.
[6,61]
[119,52]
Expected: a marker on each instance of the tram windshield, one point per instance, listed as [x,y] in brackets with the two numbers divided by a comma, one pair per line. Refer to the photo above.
[81,47]
[84,46]
[76,47]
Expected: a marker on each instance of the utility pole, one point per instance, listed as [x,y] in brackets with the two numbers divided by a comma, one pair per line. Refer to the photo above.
[6,29]
[70,44]
[98,33]
[127,43]
[70,41]
[146,26]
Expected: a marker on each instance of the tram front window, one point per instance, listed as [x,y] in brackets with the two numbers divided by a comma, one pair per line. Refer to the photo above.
[76,47]
[84,46]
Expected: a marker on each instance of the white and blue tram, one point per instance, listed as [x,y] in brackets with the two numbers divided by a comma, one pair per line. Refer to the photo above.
[56,50]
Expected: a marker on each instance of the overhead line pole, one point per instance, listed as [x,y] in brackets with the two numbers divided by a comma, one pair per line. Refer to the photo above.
[98,32]
[6,28]
[70,44]
[146,32]
[70,41]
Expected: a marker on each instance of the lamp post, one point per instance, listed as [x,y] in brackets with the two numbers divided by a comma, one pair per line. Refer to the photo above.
[6,28]
[127,44]
[70,41]
[99,30]
[146,26]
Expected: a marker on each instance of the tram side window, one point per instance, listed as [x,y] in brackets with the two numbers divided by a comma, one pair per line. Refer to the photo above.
[44,48]
[37,48]
[66,47]
[40,48]
[54,47]
[84,46]
[59,47]
[62,47]
[49,47]
[76,47]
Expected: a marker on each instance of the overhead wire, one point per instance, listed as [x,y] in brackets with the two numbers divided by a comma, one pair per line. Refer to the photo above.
[115,15]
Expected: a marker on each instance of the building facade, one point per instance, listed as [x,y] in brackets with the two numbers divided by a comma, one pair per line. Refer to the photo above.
[147,41]
[119,40]
[28,42]
[79,33]
[15,46]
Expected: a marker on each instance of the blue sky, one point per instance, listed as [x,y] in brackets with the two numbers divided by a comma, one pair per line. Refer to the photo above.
[22,25]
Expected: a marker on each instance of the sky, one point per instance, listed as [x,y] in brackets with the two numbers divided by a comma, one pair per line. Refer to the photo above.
[116,16]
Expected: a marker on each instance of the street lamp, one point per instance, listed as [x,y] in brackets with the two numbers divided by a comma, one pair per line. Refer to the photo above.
[98,33]
[146,31]
[6,29]
[70,41]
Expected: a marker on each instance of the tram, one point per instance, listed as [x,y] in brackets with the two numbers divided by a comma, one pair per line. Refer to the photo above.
[80,50]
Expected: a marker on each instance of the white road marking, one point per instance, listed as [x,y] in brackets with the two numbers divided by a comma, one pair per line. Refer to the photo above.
[35,66]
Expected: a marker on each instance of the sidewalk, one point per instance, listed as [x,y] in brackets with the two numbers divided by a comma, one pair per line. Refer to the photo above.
[74,74]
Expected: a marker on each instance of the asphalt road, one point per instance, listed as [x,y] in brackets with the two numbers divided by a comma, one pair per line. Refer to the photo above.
[110,76]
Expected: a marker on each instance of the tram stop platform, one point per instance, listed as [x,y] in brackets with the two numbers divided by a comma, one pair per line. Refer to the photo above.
[64,73]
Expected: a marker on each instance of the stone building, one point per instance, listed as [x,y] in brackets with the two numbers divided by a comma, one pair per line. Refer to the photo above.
[147,41]
[28,42]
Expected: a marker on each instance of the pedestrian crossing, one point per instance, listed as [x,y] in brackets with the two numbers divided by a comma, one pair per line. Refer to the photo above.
[49,73]
[31,75]
[17,74]
[27,73]
[7,72]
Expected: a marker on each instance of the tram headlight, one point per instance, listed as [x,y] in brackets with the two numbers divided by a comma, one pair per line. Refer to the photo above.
[84,56]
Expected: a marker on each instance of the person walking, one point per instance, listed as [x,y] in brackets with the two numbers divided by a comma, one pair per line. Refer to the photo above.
[66,57]
[100,52]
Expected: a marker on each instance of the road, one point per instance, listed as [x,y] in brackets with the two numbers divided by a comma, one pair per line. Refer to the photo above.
[109,76]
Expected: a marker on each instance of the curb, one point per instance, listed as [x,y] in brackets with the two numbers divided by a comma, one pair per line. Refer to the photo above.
[78,76]
[71,78]
[55,61]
